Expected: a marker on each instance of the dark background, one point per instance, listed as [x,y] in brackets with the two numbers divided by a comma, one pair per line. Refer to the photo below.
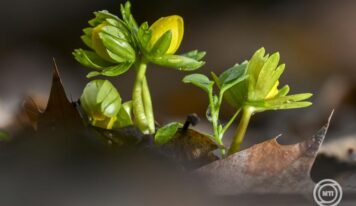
[316,40]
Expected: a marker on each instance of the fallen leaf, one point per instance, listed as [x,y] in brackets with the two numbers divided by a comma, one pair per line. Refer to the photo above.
[190,148]
[60,112]
[267,167]
[32,112]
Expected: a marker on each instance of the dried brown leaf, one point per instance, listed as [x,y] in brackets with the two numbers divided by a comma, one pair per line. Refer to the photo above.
[60,112]
[190,148]
[265,167]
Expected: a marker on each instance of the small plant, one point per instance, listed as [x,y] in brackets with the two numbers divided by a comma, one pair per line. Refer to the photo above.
[102,104]
[229,78]
[118,44]
[250,87]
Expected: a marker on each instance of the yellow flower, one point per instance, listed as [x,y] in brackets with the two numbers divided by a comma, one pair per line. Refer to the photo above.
[97,43]
[273,92]
[172,23]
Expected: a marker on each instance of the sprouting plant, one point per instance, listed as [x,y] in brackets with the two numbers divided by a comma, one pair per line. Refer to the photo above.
[229,78]
[118,44]
[251,87]
[102,104]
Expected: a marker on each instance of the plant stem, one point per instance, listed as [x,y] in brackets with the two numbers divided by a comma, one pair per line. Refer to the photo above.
[137,98]
[147,102]
[241,130]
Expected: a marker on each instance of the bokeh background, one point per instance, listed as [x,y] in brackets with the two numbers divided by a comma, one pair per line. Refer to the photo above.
[316,39]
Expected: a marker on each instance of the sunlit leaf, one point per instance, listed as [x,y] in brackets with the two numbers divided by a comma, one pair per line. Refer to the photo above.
[178,62]
[200,81]
[167,132]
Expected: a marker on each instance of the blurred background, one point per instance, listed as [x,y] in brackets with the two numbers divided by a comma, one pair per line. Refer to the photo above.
[316,40]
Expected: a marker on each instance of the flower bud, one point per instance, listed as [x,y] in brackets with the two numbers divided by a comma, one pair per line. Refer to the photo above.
[175,25]
[101,102]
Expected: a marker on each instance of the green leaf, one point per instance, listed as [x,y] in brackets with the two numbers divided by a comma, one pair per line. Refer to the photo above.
[101,16]
[112,71]
[90,59]
[87,40]
[162,44]
[177,62]
[283,102]
[232,76]
[284,91]
[268,77]
[93,74]
[4,136]
[88,31]
[293,105]
[200,81]
[255,65]
[144,35]
[115,32]
[127,16]
[124,117]
[120,25]
[116,70]
[118,46]
[166,133]
[289,98]
[195,54]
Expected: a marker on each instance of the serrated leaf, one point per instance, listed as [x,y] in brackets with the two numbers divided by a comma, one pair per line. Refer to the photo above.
[266,82]
[59,113]
[200,81]
[254,67]
[166,133]
[267,167]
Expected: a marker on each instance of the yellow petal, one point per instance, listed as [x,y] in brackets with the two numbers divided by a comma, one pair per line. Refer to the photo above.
[97,44]
[273,92]
[173,23]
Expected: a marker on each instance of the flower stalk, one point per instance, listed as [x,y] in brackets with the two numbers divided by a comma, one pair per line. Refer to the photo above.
[141,99]
[238,138]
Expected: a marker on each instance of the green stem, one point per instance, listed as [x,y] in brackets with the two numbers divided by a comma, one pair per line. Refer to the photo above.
[148,106]
[226,127]
[137,98]
[241,130]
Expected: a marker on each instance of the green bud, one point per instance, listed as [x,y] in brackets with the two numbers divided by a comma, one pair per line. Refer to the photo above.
[101,102]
